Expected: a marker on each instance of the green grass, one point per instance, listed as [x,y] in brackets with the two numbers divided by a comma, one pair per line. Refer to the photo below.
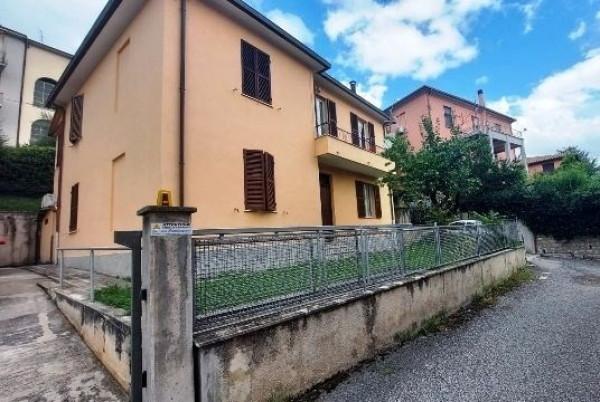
[115,296]
[18,203]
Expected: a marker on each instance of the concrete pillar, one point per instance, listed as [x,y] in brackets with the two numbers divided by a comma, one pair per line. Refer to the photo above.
[507,150]
[167,312]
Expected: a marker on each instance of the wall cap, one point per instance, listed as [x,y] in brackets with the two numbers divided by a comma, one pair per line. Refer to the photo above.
[153,209]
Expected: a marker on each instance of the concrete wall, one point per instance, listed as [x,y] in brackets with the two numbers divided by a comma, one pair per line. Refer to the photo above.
[18,230]
[580,247]
[10,85]
[291,355]
[528,237]
[108,336]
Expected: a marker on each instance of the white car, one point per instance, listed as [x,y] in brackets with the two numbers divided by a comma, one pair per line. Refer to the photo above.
[467,224]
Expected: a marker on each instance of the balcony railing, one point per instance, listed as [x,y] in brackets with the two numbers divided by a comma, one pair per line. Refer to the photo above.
[358,140]
[492,129]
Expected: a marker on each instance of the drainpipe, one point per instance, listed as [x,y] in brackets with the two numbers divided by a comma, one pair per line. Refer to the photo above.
[25,49]
[182,83]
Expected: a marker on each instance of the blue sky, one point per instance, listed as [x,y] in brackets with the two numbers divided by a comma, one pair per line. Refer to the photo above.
[538,60]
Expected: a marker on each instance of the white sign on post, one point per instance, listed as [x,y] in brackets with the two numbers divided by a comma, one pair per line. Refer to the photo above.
[170,229]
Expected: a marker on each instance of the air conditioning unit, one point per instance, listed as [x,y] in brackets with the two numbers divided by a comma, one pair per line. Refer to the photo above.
[48,201]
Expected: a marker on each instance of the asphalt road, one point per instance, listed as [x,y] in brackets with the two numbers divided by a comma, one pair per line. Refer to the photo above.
[539,343]
[42,359]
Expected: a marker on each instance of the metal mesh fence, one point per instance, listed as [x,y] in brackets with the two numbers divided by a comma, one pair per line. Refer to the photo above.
[240,273]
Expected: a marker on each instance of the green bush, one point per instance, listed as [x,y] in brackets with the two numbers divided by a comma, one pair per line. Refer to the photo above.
[26,171]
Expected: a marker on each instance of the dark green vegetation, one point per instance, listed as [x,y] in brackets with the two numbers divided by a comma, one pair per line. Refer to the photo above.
[26,174]
[115,296]
[17,203]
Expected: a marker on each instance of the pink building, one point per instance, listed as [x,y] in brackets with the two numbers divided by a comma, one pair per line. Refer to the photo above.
[448,111]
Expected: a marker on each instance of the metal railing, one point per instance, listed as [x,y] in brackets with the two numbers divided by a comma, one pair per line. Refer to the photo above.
[242,273]
[361,141]
[91,251]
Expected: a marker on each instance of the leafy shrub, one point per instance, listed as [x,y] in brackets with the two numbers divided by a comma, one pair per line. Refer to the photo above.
[26,171]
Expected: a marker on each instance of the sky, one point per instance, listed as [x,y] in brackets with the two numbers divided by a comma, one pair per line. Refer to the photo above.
[537,60]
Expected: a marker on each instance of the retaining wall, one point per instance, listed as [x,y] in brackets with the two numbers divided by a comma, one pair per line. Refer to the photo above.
[18,233]
[580,247]
[284,356]
[105,333]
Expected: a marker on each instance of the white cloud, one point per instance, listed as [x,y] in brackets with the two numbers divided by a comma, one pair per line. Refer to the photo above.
[60,24]
[293,25]
[530,10]
[421,39]
[484,79]
[598,15]
[561,110]
[374,90]
[579,31]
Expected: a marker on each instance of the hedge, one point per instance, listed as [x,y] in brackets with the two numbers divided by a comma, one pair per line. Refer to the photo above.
[26,171]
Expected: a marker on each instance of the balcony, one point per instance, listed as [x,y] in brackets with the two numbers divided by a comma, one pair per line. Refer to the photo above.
[350,152]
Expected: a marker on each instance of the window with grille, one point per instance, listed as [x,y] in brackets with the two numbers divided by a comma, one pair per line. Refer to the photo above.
[256,73]
[368,200]
[259,181]
[39,133]
[448,118]
[42,90]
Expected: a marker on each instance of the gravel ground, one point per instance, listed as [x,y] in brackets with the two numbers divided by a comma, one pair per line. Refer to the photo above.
[539,343]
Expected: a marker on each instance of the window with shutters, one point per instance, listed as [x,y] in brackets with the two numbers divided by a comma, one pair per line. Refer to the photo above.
[74,207]
[256,73]
[368,200]
[259,181]
[326,117]
[75,132]
[363,133]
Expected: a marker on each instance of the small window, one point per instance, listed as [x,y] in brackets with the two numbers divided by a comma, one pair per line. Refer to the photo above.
[76,131]
[475,122]
[548,167]
[326,117]
[256,73]
[368,200]
[259,181]
[448,118]
[74,207]
[42,90]
[363,133]
[39,133]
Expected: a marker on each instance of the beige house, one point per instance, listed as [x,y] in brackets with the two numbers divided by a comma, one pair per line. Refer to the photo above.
[213,102]
[448,111]
[29,71]
[544,163]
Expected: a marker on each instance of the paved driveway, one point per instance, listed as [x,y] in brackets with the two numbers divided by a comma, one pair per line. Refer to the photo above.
[41,357]
[540,343]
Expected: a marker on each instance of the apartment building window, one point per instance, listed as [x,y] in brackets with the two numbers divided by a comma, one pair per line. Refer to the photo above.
[363,133]
[39,132]
[548,167]
[368,201]
[76,131]
[256,73]
[326,117]
[497,128]
[259,181]
[475,122]
[448,118]
[42,90]
[74,207]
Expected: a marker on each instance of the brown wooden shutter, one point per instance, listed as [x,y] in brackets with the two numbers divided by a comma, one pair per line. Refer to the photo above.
[354,128]
[377,202]
[371,134]
[360,199]
[248,70]
[75,132]
[263,76]
[74,207]
[332,118]
[256,73]
[254,180]
[269,164]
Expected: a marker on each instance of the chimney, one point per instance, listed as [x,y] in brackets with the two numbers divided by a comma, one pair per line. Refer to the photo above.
[481,98]
[353,86]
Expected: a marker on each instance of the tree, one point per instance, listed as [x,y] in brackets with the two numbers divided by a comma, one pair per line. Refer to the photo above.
[573,156]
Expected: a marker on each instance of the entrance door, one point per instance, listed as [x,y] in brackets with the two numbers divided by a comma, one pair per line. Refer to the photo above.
[326,209]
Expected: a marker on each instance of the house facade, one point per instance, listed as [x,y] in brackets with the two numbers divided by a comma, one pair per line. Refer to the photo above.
[448,111]
[29,71]
[214,103]
[544,163]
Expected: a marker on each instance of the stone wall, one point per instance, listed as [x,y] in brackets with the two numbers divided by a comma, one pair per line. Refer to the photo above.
[18,233]
[580,247]
[287,355]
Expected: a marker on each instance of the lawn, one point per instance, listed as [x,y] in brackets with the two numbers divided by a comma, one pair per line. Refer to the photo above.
[243,288]
[18,203]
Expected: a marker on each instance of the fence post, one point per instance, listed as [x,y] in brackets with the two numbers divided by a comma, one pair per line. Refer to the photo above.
[402,252]
[365,257]
[167,307]
[438,245]
[61,269]
[92,276]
